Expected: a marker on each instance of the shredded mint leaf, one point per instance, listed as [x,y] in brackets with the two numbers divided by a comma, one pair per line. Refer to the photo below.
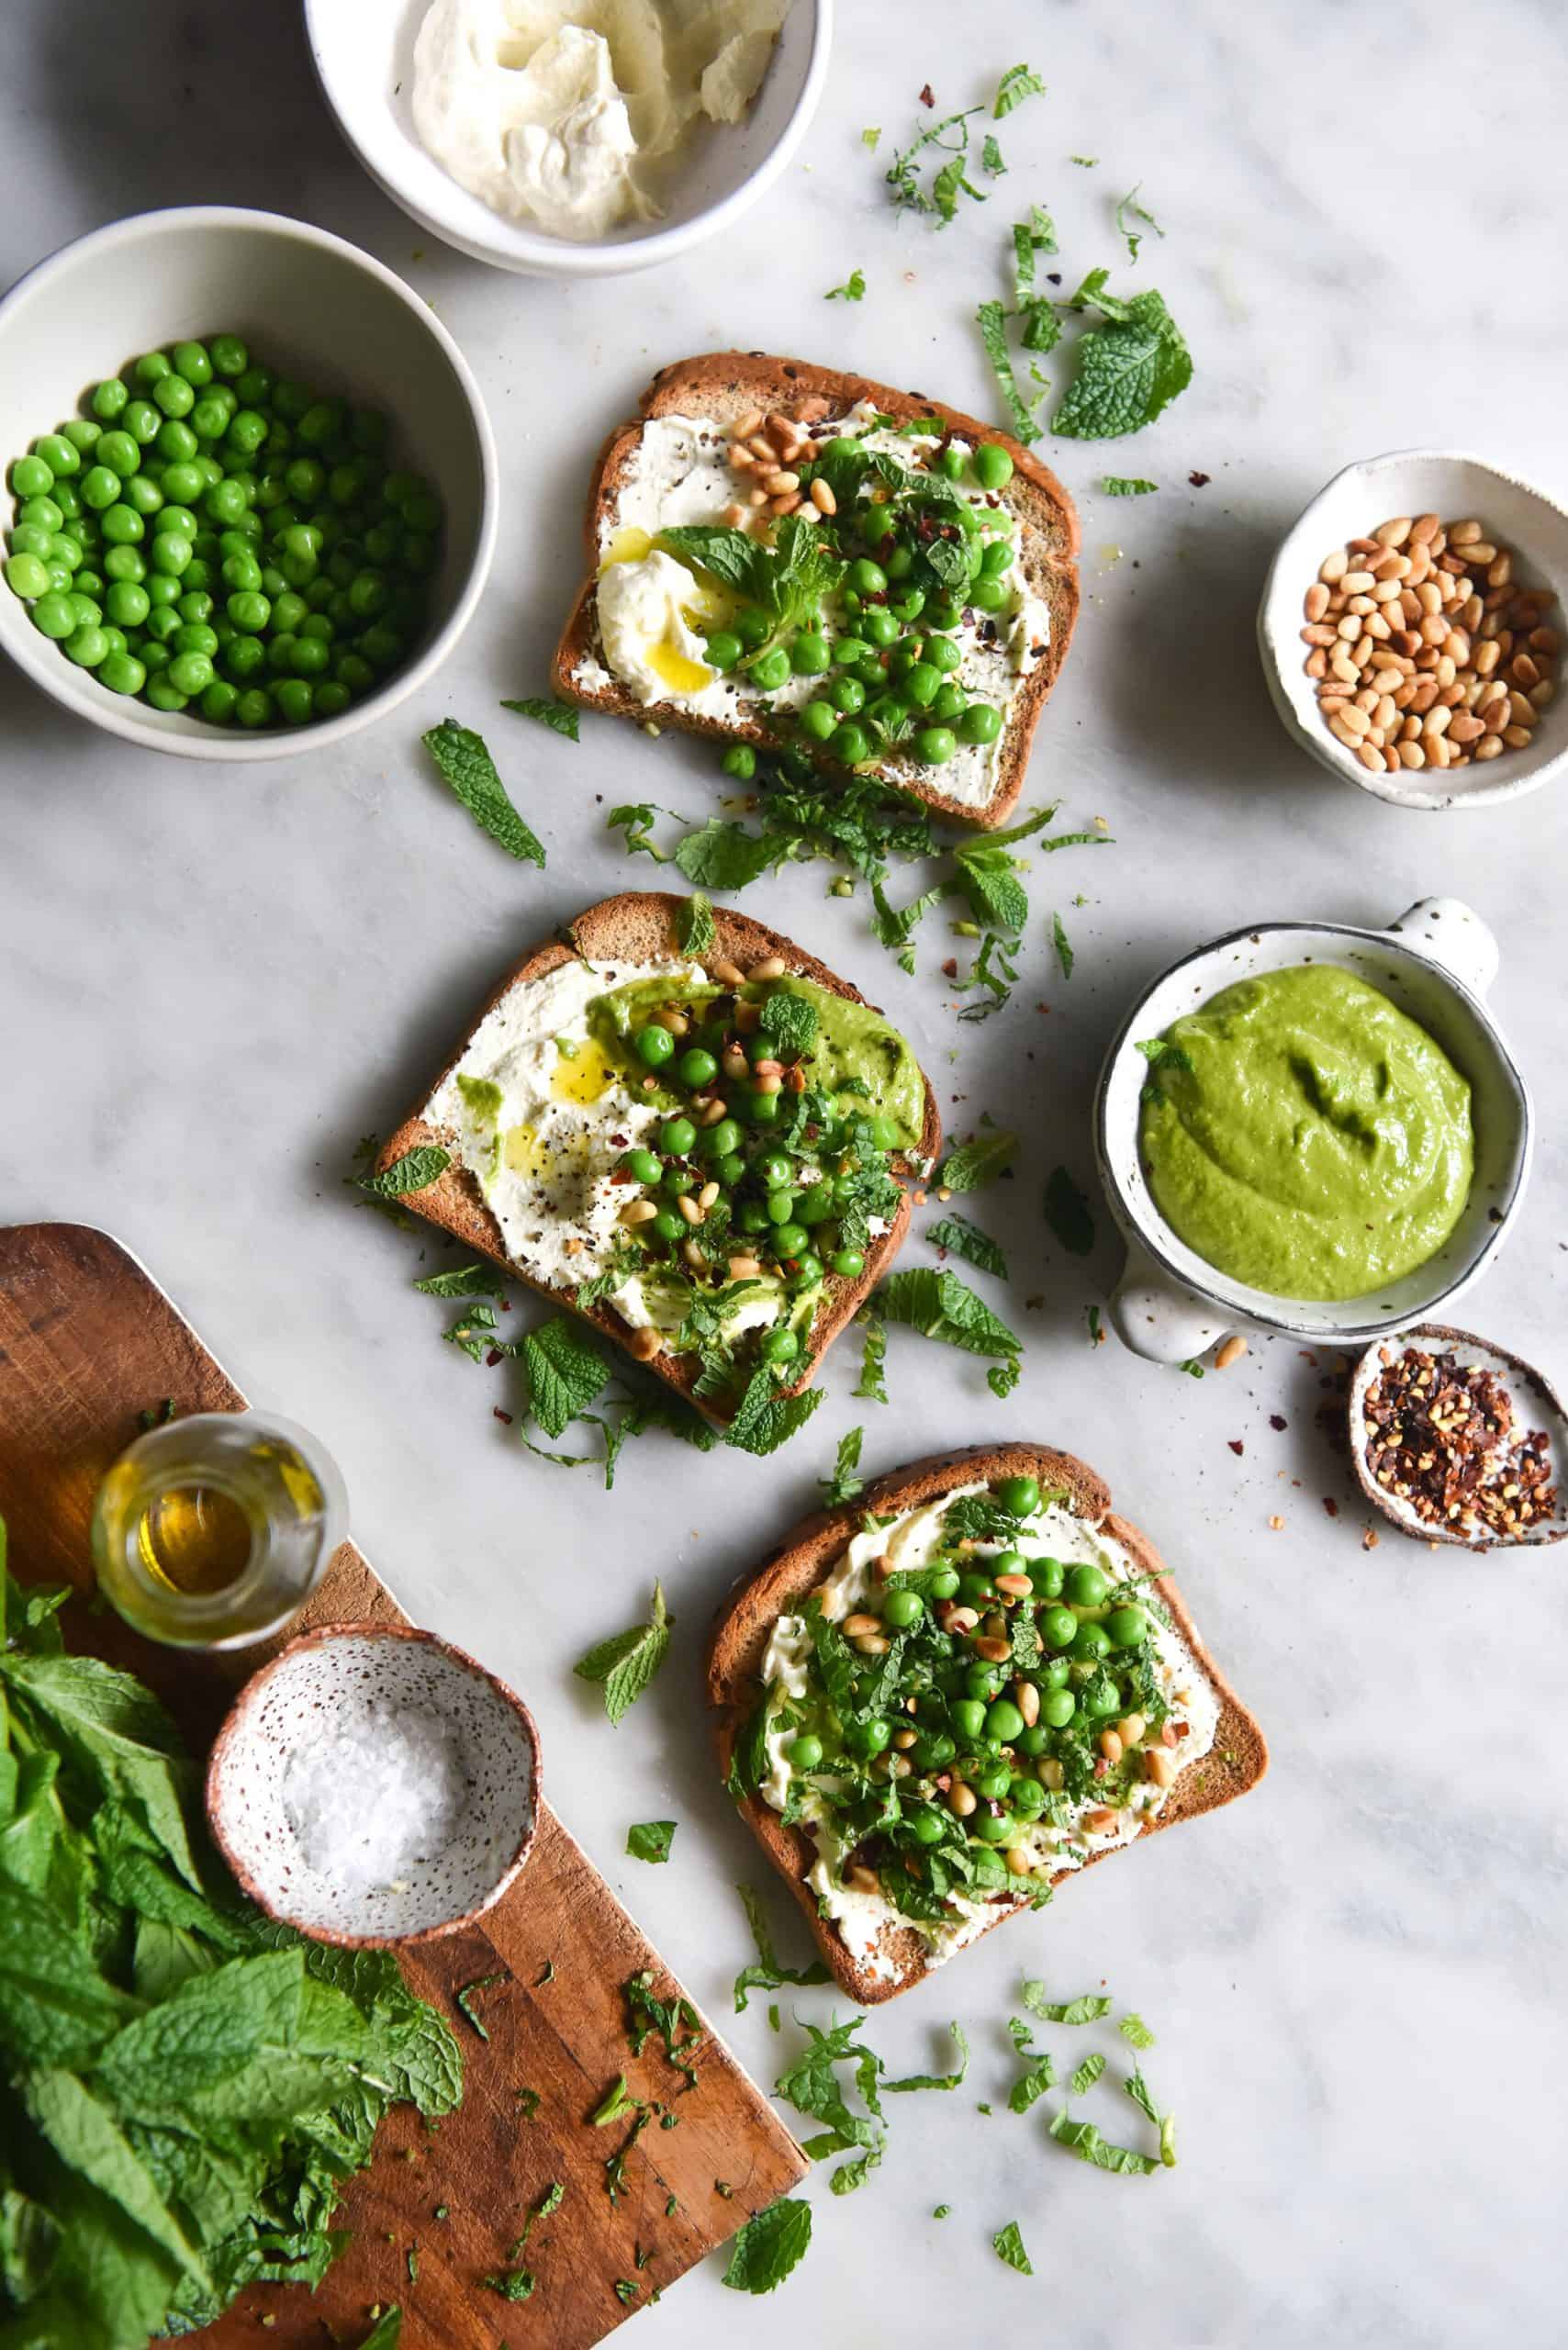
[626,1664]
[1082,2139]
[981,1160]
[1127,486]
[561,717]
[765,1419]
[990,158]
[844,1484]
[650,1839]
[1128,371]
[465,763]
[1068,1213]
[1064,951]
[852,290]
[1130,207]
[474,1332]
[768,2247]
[871,1386]
[869,138]
[637,818]
[937,2080]
[1019,81]
[992,319]
[1134,2029]
[464,1281]
[694,925]
[387,2332]
[967,1240]
[1087,2009]
[723,855]
[566,1372]
[415,1171]
[1008,2245]
[765,1974]
[1087,2075]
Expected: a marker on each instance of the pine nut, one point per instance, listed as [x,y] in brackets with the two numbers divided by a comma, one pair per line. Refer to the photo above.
[706,1196]
[1027,1697]
[1016,1587]
[1424,527]
[643,1345]
[729,975]
[1462,533]
[1486,657]
[785,505]
[958,1620]
[1130,1729]
[904,1738]
[691,1252]
[1318,634]
[994,1651]
[1465,729]
[757,497]
[862,1880]
[770,967]
[1489,746]
[1395,533]
[1523,670]
[1333,569]
[745,426]
[748,1017]
[638,1212]
[1232,1351]
[1098,1820]
[1540,695]
[1521,710]
[1110,1746]
[688,1207]
[1543,640]
[1318,666]
[769,1085]
[1050,1773]
[872,1644]
[744,1269]
[1159,1764]
[667,1017]
[1438,754]
[1437,721]
[1372,757]
[1411,754]
[822,498]
[1517,736]
[854,1626]
[1356,583]
[1018,1860]
[1317,600]
[961,1799]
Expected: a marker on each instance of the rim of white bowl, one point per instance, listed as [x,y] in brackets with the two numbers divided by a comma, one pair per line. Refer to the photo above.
[114,717]
[1259,1307]
[1407,789]
[533,252]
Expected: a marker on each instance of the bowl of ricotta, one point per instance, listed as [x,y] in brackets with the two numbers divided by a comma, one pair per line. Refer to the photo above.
[572,137]
[1312,1129]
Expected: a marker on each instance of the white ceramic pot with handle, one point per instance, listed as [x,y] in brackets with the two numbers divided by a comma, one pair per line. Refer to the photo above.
[1436,963]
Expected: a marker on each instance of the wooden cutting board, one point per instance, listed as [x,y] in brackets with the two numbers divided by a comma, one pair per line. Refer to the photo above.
[88,1341]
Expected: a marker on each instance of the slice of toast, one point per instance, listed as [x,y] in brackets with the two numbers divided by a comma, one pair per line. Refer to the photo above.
[739,1641]
[726,385]
[639,927]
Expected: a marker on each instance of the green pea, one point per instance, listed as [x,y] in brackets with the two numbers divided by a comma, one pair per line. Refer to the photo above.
[740,761]
[903,1608]
[162,695]
[804,1751]
[993,1827]
[967,1715]
[52,615]
[872,1737]
[1019,1497]
[332,700]
[779,1346]
[975,1588]
[1027,1796]
[993,466]
[27,575]
[190,672]
[1086,1585]
[142,495]
[1127,1627]
[753,628]
[807,1268]
[87,582]
[61,455]
[762,1109]
[109,398]
[910,605]
[642,1165]
[934,746]
[381,646]
[354,671]
[666,1226]
[953,460]
[1003,1720]
[310,656]
[27,538]
[987,595]
[1058,1628]
[789,1239]
[724,648]
[652,1045]
[83,433]
[921,683]
[41,514]
[899,562]
[1058,1672]
[944,1580]
[730,1169]
[288,611]
[781,1205]
[722,1141]
[847,650]
[1048,1577]
[943,612]
[1033,1742]
[122,673]
[809,654]
[994,1781]
[849,744]
[751,1216]
[819,720]
[254,707]
[86,646]
[996,558]
[125,604]
[1058,1708]
[982,1680]
[295,700]
[229,354]
[170,552]
[848,695]
[163,621]
[1102,1698]
[696,1067]
[980,724]
[1091,1642]
[677,1135]
[118,454]
[927,1825]
[771,669]
[173,396]
[949,705]
[866,578]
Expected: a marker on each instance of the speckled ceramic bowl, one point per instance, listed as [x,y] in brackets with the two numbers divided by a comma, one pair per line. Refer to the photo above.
[1436,963]
[1536,1401]
[336,1672]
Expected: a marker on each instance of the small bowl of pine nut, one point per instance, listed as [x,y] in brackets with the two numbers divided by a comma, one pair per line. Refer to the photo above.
[1412,631]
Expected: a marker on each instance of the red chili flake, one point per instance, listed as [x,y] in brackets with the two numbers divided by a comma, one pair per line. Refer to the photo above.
[950,968]
[1199,481]
[1276,1420]
[1235,1445]
[925,98]
[493,1357]
[1330,1504]
[500,1414]
[1101,1766]
[1444,1435]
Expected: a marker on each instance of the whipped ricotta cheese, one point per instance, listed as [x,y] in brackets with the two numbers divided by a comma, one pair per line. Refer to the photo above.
[650,628]
[540,1115]
[573,115]
[1054,1847]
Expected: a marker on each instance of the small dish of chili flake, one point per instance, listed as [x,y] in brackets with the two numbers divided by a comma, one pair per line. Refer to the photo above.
[1457,1440]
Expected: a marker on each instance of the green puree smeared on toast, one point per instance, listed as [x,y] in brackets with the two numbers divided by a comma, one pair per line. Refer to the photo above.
[1305,1136]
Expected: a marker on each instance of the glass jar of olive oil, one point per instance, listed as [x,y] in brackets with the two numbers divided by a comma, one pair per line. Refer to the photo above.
[212,1532]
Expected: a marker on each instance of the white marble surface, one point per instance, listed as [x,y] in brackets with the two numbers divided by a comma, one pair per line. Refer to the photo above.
[212,984]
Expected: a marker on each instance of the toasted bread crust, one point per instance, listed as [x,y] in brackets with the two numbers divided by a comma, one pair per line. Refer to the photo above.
[639,927]
[739,1639]
[725,383]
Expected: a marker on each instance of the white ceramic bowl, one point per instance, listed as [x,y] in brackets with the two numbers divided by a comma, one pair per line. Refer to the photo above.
[364,53]
[1414,481]
[1436,963]
[308,304]
[335,1675]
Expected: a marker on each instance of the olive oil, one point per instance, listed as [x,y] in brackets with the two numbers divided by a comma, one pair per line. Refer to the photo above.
[212,1532]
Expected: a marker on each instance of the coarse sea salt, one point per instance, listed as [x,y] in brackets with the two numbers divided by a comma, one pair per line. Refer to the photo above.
[373,1791]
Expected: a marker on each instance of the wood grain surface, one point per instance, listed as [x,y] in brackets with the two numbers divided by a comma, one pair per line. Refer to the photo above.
[88,1341]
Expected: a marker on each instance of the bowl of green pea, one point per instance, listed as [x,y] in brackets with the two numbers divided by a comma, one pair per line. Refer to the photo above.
[250,487]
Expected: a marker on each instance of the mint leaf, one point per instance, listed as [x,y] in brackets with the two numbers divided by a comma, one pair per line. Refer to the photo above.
[650,1839]
[990,158]
[561,717]
[768,2247]
[765,1974]
[992,319]
[852,290]
[1087,2075]
[415,1171]
[967,1240]
[694,925]
[724,856]
[627,1662]
[566,1372]
[1068,1213]
[1019,81]
[1126,486]
[1008,2245]
[465,763]
[464,1281]
[1130,206]
[1064,952]
[474,1332]
[637,818]
[1134,2029]
[939,1305]
[1087,2009]
[937,2080]
[844,1484]
[1082,2139]
[979,1160]
[789,1021]
[764,1420]
[1128,371]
